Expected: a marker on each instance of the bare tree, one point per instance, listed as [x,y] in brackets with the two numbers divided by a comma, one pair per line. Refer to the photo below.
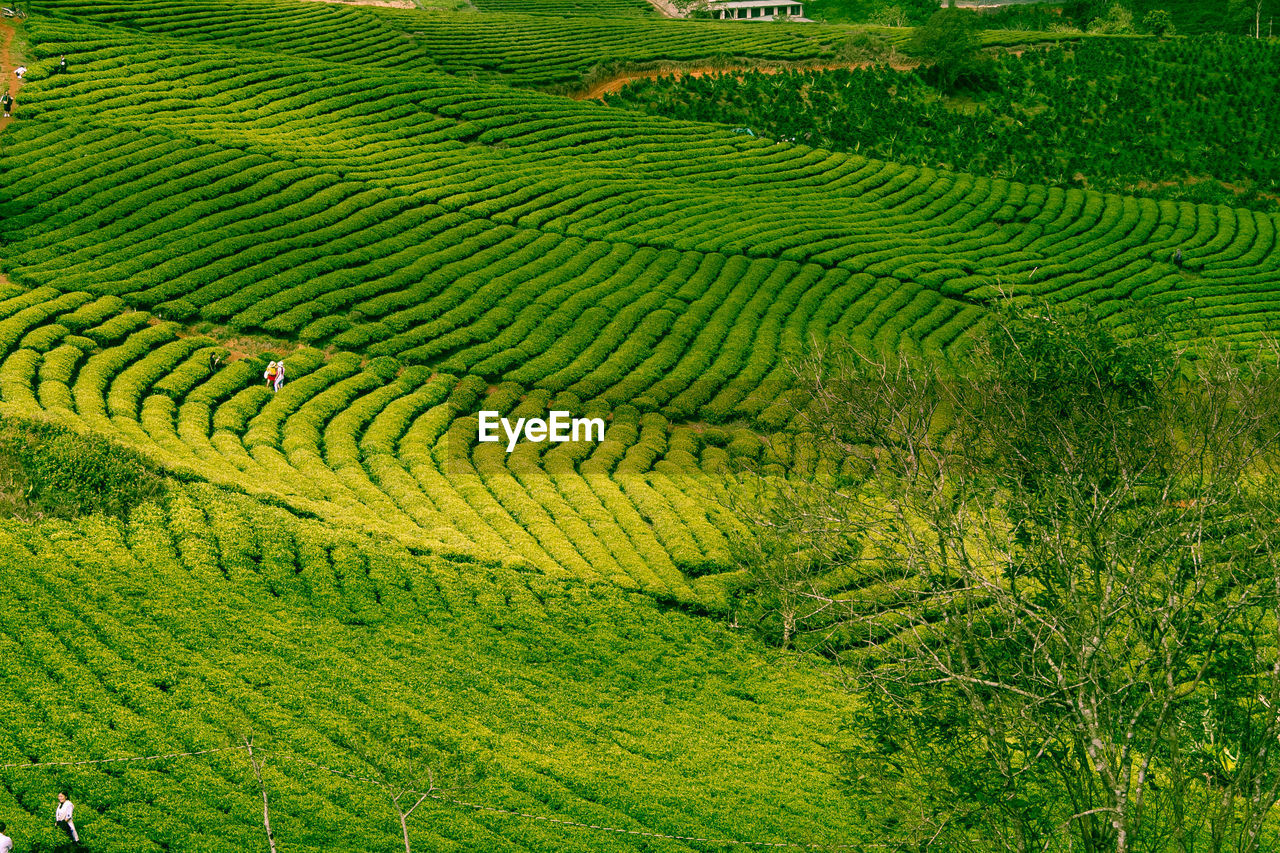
[401,795]
[262,786]
[1242,10]
[1065,627]
[411,767]
[788,557]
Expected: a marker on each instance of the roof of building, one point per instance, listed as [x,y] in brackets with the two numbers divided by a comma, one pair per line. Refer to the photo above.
[747,4]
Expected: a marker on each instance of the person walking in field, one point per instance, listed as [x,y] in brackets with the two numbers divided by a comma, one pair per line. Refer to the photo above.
[270,376]
[279,376]
[6,843]
[7,103]
[62,64]
[63,817]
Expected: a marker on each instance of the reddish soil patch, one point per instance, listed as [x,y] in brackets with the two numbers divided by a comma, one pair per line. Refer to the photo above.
[8,61]
[386,4]
[614,84]
[1150,186]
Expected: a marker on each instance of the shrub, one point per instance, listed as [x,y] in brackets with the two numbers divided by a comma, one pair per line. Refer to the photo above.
[48,470]
[1159,22]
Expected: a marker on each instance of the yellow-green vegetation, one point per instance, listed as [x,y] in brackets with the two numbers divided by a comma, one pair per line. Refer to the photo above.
[47,470]
[209,616]
[364,194]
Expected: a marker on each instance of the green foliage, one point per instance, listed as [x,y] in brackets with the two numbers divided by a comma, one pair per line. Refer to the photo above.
[1204,129]
[949,43]
[1065,360]
[48,470]
[1116,21]
[1159,22]
[209,616]
[1192,17]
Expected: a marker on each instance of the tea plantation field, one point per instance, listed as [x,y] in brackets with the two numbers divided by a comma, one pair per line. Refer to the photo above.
[383,199]
[215,616]
[1170,118]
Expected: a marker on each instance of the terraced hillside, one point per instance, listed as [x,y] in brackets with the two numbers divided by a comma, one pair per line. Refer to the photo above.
[543,44]
[212,185]
[509,41]
[215,616]
[422,247]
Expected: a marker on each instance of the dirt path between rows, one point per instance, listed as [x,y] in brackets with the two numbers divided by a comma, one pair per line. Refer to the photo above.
[615,83]
[385,4]
[8,61]
[8,83]
[666,8]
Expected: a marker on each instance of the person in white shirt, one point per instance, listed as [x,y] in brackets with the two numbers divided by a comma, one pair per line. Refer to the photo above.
[20,71]
[66,809]
[6,843]
[279,380]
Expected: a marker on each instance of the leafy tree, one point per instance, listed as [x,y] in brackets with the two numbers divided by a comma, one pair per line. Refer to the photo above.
[892,16]
[1118,20]
[1159,22]
[950,42]
[1072,642]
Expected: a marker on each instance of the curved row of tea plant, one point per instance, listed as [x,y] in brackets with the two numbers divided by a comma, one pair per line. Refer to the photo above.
[561,8]
[468,247]
[525,173]
[388,449]
[212,616]
[528,49]
[1122,115]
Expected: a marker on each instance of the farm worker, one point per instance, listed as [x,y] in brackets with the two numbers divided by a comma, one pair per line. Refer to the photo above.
[7,103]
[279,375]
[66,809]
[62,64]
[20,70]
[6,843]
[1177,257]
[270,376]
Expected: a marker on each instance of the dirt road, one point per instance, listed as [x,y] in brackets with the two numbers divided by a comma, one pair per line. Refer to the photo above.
[614,84]
[8,61]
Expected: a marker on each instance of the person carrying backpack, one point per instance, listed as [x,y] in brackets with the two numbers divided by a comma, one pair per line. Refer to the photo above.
[270,376]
